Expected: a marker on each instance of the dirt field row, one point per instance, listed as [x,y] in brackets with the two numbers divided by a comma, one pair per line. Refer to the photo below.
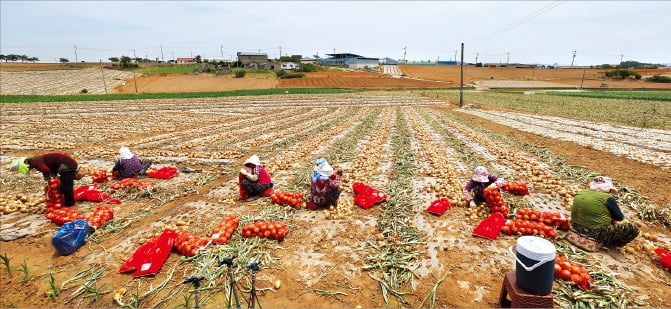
[645,145]
[403,144]
[59,82]
[48,81]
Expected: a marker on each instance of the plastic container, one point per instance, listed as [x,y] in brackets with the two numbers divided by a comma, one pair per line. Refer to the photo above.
[534,267]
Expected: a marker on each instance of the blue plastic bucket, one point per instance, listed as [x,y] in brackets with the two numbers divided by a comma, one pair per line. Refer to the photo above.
[534,266]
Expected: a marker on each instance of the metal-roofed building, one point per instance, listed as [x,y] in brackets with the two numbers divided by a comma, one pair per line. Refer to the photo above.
[246,57]
[349,60]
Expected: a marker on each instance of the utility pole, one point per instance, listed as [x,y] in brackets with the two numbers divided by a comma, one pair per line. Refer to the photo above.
[476,57]
[455,55]
[280,51]
[221,49]
[135,81]
[162,59]
[461,87]
[405,49]
[173,56]
[583,77]
[574,51]
[76,60]
[621,56]
[508,61]
[334,50]
[103,74]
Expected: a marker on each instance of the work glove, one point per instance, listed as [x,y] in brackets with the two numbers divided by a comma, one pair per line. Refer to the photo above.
[48,176]
[472,203]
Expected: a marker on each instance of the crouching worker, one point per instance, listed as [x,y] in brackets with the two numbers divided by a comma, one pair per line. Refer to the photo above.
[52,164]
[129,165]
[595,214]
[481,179]
[253,180]
[324,186]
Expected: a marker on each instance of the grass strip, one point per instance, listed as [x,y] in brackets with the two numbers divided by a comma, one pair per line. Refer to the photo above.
[630,112]
[145,96]
[609,94]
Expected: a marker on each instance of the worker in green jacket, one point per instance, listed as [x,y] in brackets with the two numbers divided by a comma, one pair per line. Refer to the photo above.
[595,213]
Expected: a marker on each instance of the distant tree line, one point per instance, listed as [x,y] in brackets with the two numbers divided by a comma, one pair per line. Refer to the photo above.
[630,64]
[127,62]
[23,58]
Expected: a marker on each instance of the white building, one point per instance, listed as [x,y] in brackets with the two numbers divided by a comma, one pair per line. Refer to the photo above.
[289,66]
[186,60]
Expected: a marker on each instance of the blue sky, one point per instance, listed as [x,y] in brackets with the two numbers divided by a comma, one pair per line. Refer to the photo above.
[531,31]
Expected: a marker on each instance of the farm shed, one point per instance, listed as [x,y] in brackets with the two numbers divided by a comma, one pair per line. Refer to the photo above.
[388,61]
[246,57]
[349,60]
[186,60]
[447,63]
[509,65]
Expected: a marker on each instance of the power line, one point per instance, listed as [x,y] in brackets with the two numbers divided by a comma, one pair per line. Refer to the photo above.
[518,22]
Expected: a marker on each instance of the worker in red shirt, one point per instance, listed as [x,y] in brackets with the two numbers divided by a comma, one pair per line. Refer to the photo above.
[52,164]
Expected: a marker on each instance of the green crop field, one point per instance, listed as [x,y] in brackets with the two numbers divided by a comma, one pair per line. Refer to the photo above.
[630,112]
[630,95]
[112,97]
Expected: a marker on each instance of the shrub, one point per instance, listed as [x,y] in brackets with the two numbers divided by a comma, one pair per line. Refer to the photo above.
[660,79]
[240,73]
[622,74]
[293,75]
[309,67]
[280,73]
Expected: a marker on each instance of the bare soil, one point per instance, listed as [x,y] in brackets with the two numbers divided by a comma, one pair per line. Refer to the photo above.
[22,67]
[593,77]
[359,80]
[193,83]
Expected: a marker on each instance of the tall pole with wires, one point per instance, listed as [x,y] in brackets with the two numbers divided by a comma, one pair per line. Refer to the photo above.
[103,74]
[76,60]
[574,51]
[461,87]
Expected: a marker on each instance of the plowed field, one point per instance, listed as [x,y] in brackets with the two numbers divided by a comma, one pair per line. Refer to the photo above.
[358,80]
[193,83]
[572,77]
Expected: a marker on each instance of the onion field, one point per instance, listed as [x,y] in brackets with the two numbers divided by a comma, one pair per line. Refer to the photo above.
[415,148]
